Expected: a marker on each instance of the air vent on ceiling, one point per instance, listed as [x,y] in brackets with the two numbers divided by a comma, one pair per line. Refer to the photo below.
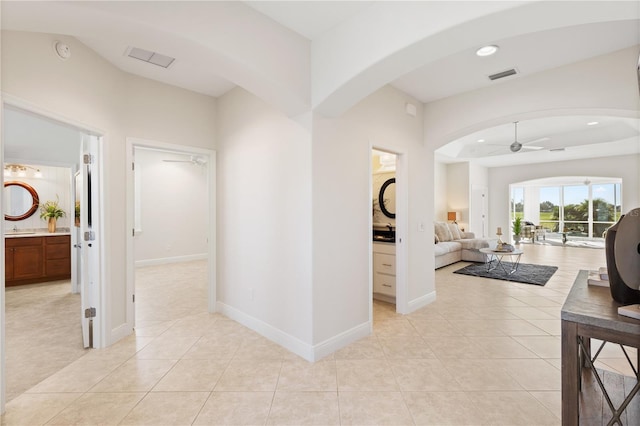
[503,74]
[150,57]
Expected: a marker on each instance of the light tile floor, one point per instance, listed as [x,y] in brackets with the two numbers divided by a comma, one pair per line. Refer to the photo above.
[485,352]
[42,326]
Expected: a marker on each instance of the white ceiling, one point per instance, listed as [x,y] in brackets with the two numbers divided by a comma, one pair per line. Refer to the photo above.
[30,138]
[528,54]
[611,136]
[194,33]
[310,19]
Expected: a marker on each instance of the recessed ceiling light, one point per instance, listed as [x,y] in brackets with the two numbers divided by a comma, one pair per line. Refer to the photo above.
[487,50]
[592,123]
[480,140]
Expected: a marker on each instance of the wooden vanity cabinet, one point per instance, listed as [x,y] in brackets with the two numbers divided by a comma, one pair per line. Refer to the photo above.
[37,259]
[57,255]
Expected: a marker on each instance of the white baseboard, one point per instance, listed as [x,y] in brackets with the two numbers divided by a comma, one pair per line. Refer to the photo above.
[119,333]
[291,343]
[335,343]
[174,259]
[422,301]
[272,333]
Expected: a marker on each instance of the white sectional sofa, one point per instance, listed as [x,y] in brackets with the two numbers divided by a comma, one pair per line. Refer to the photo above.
[453,245]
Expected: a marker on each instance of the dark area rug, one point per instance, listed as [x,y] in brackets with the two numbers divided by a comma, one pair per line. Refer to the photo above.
[526,273]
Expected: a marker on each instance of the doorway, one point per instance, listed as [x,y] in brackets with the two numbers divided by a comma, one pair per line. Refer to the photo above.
[47,151]
[388,224]
[171,222]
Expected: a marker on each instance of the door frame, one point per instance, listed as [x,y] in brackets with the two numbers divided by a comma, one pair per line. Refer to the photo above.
[103,315]
[402,220]
[132,144]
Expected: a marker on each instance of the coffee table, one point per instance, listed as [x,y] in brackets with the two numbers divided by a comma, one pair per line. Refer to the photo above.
[493,259]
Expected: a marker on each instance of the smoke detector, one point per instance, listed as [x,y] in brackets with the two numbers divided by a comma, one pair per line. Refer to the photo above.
[63,51]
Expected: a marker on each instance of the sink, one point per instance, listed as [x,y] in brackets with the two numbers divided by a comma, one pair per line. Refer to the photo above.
[19,232]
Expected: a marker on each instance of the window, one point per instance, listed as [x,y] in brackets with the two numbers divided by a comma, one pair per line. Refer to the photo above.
[517,202]
[606,207]
[550,208]
[581,210]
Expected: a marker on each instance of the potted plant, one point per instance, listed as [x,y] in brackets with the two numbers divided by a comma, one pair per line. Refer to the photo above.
[77,213]
[50,211]
[517,229]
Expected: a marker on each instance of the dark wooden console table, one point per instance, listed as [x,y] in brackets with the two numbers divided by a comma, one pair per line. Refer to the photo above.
[588,313]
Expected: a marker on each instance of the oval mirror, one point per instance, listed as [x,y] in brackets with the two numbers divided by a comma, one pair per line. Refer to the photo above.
[20,200]
[387,198]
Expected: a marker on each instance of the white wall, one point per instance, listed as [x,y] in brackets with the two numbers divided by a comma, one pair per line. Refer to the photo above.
[89,90]
[458,188]
[440,190]
[173,208]
[264,220]
[55,183]
[341,160]
[624,167]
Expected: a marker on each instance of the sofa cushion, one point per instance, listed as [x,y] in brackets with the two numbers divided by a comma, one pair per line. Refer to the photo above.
[455,231]
[442,231]
[474,244]
[447,247]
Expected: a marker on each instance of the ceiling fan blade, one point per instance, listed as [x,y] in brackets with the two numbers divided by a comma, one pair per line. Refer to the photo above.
[177,161]
[536,140]
[535,148]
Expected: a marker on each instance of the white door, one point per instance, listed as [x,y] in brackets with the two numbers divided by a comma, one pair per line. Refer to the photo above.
[478,217]
[89,241]
[76,242]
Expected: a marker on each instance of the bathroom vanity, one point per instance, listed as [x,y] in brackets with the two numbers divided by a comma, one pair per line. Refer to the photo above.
[384,271]
[35,258]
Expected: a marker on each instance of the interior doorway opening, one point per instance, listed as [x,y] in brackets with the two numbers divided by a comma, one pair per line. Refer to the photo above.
[388,217]
[171,214]
[45,152]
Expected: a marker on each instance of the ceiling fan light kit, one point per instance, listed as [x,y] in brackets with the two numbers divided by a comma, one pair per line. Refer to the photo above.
[515,146]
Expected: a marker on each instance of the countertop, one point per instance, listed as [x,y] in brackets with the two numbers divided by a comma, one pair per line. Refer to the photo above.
[39,232]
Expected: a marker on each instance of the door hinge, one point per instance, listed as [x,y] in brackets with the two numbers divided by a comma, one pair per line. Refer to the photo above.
[90,313]
[134,298]
[133,232]
[133,166]
[89,236]
[87,159]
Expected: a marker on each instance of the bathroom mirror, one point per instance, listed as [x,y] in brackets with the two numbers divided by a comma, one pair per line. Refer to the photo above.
[387,198]
[20,200]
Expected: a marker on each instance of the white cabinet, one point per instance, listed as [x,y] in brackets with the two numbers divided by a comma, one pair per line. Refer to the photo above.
[384,270]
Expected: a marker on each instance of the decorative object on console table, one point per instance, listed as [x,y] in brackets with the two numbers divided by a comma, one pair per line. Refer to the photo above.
[595,278]
[622,249]
[631,311]
[51,212]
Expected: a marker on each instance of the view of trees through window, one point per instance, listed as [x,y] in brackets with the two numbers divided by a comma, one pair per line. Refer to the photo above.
[579,210]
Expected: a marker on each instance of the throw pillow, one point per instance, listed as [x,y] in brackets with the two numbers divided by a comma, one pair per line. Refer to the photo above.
[442,231]
[437,240]
[455,231]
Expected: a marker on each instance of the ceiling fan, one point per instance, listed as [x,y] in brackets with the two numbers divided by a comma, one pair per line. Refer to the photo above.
[517,146]
[196,160]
